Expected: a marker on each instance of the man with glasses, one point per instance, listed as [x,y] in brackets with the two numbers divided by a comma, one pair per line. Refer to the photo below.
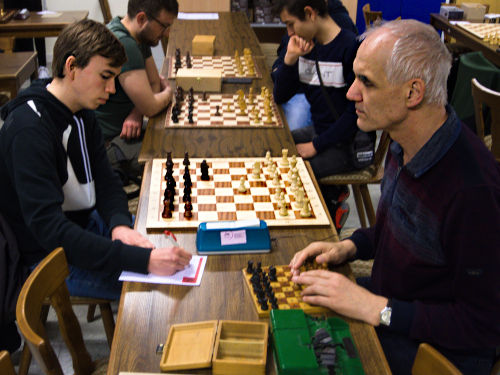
[140,90]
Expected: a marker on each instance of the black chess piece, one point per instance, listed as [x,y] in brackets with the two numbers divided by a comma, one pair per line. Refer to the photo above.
[190,118]
[188,60]
[217,113]
[186,159]
[250,263]
[205,176]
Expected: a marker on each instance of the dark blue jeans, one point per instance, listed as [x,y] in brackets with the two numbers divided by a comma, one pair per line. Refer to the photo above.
[93,284]
[401,351]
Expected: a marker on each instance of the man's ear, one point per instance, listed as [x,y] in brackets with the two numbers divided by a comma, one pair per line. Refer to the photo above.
[415,92]
[310,13]
[70,66]
[141,19]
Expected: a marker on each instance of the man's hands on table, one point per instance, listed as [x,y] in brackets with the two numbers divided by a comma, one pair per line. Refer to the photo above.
[162,261]
[332,289]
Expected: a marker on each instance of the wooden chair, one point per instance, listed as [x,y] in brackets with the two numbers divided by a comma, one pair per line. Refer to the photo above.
[6,366]
[359,181]
[48,281]
[483,95]
[106,11]
[430,361]
[370,16]
[7,44]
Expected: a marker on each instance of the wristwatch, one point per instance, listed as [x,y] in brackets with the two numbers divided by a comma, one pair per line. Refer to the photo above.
[385,314]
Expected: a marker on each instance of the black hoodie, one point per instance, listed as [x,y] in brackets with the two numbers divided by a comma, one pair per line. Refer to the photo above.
[54,171]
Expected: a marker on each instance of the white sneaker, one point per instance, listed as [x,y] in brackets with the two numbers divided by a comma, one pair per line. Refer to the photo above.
[43,72]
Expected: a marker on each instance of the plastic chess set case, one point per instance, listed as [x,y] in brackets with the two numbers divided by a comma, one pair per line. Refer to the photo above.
[303,344]
[451,12]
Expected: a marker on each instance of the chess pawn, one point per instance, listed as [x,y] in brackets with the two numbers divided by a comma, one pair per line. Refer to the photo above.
[284,160]
[284,208]
[242,188]
[250,95]
[268,159]
[269,119]
[293,187]
[277,195]
[299,198]
[305,212]
[263,92]
[256,170]
[276,179]
[229,107]
[256,119]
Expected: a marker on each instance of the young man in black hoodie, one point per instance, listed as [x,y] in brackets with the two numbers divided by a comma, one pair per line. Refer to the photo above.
[55,173]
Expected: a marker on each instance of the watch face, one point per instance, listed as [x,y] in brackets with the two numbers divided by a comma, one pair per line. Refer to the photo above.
[385,316]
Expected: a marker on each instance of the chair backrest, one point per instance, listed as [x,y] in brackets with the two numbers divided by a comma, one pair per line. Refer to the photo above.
[430,361]
[48,281]
[370,16]
[7,44]
[106,12]
[6,366]
[480,95]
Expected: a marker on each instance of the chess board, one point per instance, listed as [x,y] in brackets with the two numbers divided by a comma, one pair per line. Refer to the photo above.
[481,30]
[226,63]
[219,198]
[285,291]
[204,113]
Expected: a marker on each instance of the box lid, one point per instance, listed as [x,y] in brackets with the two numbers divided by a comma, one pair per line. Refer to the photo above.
[204,73]
[189,346]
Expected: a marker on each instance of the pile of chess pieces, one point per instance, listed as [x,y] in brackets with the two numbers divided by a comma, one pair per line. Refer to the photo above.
[493,39]
[242,104]
[247,56]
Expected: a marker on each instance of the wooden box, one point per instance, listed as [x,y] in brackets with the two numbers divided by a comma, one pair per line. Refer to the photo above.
[200,80]
[203,45]
[230,347]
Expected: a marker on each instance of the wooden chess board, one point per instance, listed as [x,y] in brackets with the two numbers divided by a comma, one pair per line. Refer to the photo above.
[226,63]
[204,113]
[481,30]
[285,291]
[219,199]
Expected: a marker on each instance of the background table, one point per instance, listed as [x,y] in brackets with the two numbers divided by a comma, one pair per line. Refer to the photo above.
[232,32]
[15,69]
[233,142]
[38,26]
[470,40]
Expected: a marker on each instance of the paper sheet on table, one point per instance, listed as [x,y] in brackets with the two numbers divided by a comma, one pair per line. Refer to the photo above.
[197,16]
[190,276]
[49,14]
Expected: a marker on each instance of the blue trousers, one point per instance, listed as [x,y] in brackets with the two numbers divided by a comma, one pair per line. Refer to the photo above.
[297,112]
[93,284]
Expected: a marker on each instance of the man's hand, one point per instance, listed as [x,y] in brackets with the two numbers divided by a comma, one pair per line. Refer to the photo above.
[167,261]
[132,126]
[324,252]
[130,236]
[306,150]
[297,47]
[163,83]
[336,292]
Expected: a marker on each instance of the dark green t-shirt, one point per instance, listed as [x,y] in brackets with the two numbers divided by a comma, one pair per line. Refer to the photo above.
[112,115]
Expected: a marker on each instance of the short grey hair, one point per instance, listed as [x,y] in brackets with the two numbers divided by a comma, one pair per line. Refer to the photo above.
[418,53]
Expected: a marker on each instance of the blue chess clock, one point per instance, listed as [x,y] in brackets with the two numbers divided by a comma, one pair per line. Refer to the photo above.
[233,237]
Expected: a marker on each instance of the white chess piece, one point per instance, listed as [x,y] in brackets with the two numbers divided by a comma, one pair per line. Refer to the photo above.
[293,187]
[242,188]
[305,212]
[284,160]
[256,170]
[277,195]
[276,179]
[284,208]
[299,198]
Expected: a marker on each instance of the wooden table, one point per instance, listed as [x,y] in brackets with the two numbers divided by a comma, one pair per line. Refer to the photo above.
[470,40]
[39,26]
[147,311]
[15,69]
[234,142]
[232,32]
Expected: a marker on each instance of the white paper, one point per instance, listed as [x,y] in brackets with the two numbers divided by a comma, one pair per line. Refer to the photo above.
[460,22]
[492,15]
[233,224]
[197,16]
[189,276]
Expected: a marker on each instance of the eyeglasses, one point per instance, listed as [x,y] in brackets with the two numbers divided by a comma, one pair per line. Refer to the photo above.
[165,27]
